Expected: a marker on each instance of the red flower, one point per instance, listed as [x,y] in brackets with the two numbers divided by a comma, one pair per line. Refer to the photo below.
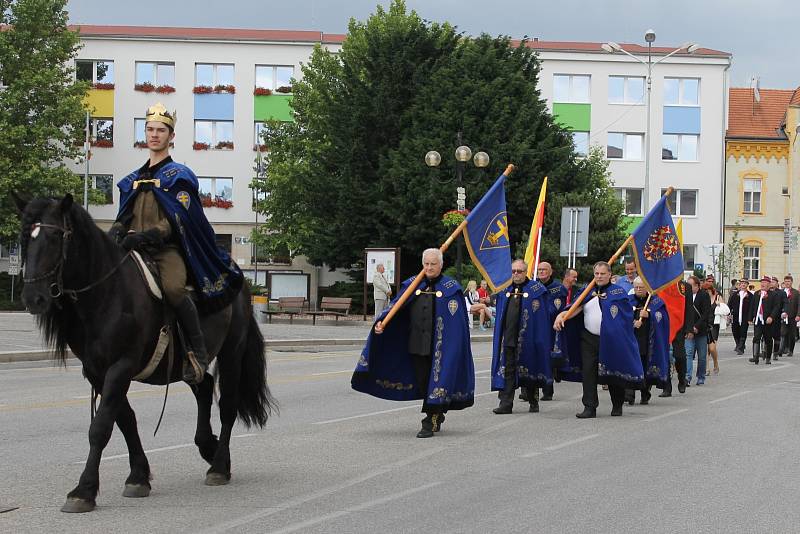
[140,144]
[164,89]
[224,145]
[262,91]
[260,148]
[224,89]
[200,146]
[145,87]
[203,89]
[103,143]
[284,89]
[104,86]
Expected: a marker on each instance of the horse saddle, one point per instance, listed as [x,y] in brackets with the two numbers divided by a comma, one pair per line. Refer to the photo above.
[148,269]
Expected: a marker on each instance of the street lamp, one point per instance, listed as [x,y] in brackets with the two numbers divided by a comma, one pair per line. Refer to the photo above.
[649,36]
[462,155]
[260,169]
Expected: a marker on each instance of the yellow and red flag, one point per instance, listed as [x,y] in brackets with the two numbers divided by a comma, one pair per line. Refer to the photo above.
[674,296]
[533,251]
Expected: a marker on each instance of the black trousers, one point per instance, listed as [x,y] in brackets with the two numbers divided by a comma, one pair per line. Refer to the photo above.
[422,371]
[788,336]
[761,332]
[630,394]
[679,355]
[506,395]
[739,334]
[590,348]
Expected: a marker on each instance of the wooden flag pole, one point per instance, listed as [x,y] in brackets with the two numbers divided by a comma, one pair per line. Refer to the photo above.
[614,258]
[415,283]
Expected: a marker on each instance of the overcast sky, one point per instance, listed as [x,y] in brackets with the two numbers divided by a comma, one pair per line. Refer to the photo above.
[761,35]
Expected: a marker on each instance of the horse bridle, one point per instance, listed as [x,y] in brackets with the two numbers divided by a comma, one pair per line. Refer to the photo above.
[57,288]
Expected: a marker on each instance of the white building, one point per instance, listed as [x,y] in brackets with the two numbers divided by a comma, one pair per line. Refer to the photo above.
[602,98]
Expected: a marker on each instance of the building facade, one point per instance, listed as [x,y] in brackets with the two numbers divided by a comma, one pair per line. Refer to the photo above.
[762,174]
[602,98]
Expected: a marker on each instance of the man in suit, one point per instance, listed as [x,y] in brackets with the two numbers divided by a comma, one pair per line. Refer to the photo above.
[697,320]
[739,304]
[764,311]
[779,300]
[789,316]
[381,290]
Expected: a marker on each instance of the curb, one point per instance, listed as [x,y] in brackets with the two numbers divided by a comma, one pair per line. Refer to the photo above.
[46,355]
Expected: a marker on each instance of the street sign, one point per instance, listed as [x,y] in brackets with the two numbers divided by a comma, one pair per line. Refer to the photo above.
[787,236]
[699,267]
[13,264]
[574,232]
[461,198]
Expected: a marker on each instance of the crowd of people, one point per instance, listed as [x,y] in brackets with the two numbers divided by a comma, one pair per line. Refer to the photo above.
[618,336]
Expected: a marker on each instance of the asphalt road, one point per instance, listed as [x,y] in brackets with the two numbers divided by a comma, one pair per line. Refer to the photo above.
[721,458]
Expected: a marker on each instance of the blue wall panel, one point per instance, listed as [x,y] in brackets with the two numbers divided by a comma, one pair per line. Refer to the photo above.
[681,120]
[213,107]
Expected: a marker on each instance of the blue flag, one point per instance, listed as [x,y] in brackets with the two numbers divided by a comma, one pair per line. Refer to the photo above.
[657,249]
[487,239]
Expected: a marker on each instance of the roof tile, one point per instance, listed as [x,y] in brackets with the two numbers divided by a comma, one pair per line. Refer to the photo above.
[748,119]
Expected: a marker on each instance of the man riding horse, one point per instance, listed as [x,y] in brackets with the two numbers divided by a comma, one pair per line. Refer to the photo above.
[161,213]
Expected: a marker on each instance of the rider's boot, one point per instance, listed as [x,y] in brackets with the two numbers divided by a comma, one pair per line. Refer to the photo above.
[190,321]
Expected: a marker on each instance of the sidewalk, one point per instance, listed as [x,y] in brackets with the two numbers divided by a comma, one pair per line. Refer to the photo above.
[20,339]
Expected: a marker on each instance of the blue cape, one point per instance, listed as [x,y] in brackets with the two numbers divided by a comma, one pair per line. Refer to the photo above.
[385,370]
[569,343]
[620,363]
[657,371]
[534,341]
[215,276]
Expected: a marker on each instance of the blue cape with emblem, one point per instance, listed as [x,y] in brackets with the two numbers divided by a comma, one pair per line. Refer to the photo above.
[385,370]
[657,371]
[620,363]
[215,276]
[568,341]
[534,340]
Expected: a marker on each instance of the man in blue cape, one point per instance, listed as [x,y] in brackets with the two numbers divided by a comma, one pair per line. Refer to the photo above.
[565,358]
[161,213]
[651,328]
[521,345]
[424,352]
[608,346]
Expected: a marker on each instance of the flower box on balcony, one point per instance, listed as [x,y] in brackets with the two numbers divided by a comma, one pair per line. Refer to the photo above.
[224,145]
[165,89]
[200,146]
[145,87]
[104,86]
[216,202]
[225,89]
[285,89]
[262,91]
[140,144]
[103,143]
[203,90]
[260,148]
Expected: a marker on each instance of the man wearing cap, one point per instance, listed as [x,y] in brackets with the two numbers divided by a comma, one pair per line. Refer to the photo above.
[789,316]
[764,311]
[739,304]
[161,213]
[775,327]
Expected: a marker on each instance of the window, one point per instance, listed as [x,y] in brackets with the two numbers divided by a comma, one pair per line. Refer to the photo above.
[216,192]
[689,255]
[679,147]
[102,133]
[632,199]
[139,137]
[224,241]
[682,202]
[625,90]
[157,74]
[274,77]
[211,75]
[752,195]
[752,262]
[94,71]
[681,91]
[213,134]
[625,146]
[104,183]
[260,127]
[571,88]
[581,141]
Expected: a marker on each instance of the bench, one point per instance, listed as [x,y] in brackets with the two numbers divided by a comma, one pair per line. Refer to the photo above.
[334,306]
[290,306]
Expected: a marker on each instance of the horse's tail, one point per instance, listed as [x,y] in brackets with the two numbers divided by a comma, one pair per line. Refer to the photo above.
[256,403]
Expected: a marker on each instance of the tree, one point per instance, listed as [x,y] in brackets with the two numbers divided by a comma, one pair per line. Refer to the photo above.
[729,262]
[350,173]
[41,109]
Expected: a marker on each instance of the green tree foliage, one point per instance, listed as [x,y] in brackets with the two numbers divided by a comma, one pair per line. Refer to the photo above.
[349,173]
[40,107]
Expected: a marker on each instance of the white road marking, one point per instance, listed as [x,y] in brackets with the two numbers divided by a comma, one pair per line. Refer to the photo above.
[776,367]
[531,454]
[363,506]
[370,414]
[160,449]
[571,442]
[729,397]
[332,372]
[668,414]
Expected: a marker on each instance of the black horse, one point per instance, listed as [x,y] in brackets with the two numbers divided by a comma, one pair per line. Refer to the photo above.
[88,295]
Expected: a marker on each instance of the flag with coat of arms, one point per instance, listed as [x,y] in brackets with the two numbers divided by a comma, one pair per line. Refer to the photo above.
[657,249]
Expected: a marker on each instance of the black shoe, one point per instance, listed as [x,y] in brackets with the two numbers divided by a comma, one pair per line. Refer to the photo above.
[616,411]
[194,369]
[666,393]
[427,428]
[645,400]
[437,420]
[753,360]
[681,387]
[546,398]
[523,395]
[631,401]
[503,409]
[768,362]
[534,407]
[587,413]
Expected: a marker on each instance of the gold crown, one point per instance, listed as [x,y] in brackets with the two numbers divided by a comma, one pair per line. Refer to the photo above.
[159,113]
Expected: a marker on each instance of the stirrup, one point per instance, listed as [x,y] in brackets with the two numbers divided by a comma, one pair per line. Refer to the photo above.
[192,366]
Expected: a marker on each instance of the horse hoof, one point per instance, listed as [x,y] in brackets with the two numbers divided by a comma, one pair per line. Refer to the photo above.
[77,506]
[217,479]
[136,490]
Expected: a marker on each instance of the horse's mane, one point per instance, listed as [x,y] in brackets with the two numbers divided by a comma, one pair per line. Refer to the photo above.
[60,318]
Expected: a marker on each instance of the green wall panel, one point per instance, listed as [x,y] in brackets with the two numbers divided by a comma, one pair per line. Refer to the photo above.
[273,107]
[631,222]
[576,117]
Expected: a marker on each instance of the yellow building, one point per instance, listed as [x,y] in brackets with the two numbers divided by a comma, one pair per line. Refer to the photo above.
[762,174]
